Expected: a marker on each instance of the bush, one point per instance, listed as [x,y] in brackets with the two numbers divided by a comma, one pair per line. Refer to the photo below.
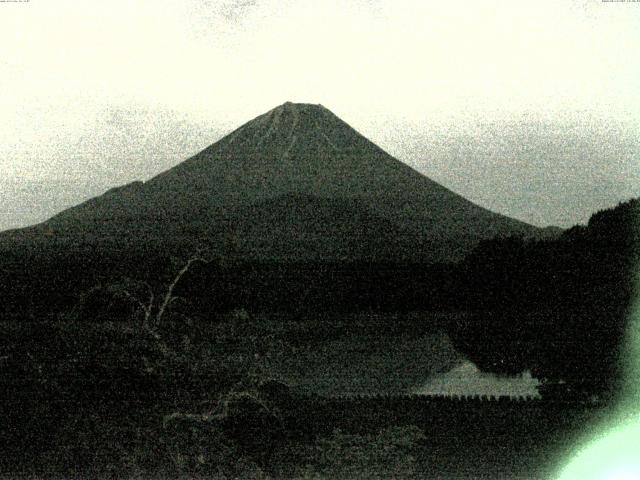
[389,454]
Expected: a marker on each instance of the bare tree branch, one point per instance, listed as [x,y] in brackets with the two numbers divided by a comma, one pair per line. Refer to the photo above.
[145,308]
[169,295]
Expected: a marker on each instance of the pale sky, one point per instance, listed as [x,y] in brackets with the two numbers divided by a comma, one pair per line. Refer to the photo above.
[527,107]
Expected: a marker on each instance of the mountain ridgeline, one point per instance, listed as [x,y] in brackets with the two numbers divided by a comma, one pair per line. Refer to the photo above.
[294,184]
[309,216]
[339,265]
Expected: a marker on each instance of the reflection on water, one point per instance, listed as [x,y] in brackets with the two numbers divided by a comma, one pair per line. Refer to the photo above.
[467,379]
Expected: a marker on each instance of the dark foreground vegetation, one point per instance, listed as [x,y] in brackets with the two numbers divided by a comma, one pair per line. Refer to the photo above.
[560,308]
[114,400]
[131,366]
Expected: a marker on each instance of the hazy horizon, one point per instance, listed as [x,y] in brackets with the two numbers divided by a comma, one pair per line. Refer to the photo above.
[527,109]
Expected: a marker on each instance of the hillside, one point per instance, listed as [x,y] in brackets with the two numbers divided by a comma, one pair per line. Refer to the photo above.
[296,183]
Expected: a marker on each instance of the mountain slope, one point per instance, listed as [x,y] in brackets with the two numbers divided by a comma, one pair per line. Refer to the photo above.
[356,199]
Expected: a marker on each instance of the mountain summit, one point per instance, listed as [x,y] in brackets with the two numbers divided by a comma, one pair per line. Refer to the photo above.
[296,183]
